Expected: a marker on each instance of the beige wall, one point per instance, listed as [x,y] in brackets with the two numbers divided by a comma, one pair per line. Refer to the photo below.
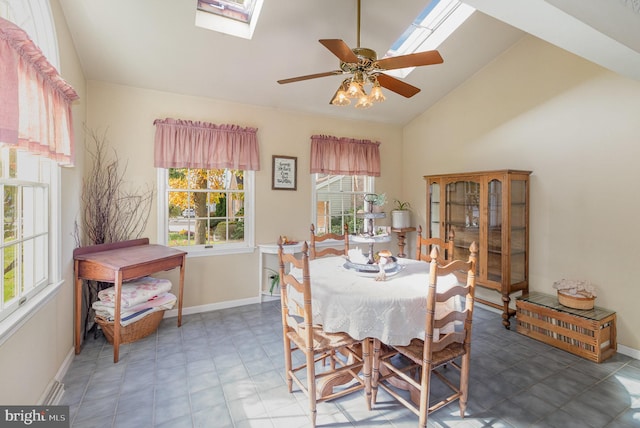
[127,115]
[536,107]
[31,357]
[575,125]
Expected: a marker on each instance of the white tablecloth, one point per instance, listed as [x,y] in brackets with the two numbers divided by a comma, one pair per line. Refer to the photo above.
[393,311]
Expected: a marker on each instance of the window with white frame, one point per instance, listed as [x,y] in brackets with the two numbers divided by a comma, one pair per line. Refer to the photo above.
[30,186]
[25,182]
[206,210]
[337,200]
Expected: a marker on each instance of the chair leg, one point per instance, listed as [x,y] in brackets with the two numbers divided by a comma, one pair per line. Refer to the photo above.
[424,395]
[375,371]
[464,383]
[311,386]
[287,362]
[366,370]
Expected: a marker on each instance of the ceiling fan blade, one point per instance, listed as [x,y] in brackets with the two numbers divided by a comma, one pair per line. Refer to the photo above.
[410,60]
[340,49]
[397,86]
[311,76]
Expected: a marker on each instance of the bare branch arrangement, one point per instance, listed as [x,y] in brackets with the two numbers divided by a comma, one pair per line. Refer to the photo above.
[110,211]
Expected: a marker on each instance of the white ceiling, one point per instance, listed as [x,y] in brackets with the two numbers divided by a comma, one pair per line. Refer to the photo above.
[154,44]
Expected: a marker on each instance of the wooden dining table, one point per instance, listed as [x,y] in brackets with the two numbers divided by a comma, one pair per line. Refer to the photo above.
[393,310]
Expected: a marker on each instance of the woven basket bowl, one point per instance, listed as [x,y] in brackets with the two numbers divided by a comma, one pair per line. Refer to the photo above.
[575,302]
[134,331]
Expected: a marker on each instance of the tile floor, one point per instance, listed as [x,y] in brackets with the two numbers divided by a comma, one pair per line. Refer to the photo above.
[225,369]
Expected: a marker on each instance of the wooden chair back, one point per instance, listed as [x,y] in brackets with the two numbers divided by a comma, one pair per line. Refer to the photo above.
[443,345]
[297,315]
[463,313]
[347,356]
[314,253]
[425,245]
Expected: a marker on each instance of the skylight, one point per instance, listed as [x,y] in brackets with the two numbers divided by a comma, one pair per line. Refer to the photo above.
[234,17]
[437,21]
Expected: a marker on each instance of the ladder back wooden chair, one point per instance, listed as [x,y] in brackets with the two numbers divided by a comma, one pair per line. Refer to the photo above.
[424,246]
[347,356]
[446,356]
[327,251]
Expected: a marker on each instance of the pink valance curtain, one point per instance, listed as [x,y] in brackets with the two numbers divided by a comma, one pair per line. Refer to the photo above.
[35,102]
[346,156]
[187,144]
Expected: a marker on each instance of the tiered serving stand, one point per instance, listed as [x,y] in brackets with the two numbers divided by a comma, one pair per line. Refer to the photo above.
[369,237]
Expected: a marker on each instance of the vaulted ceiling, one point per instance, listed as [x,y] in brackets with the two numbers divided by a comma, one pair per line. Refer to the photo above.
[155,44]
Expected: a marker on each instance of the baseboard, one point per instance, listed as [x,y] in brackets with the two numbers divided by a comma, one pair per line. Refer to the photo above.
[213,307]
[54,391]
[630,352]
[52,394]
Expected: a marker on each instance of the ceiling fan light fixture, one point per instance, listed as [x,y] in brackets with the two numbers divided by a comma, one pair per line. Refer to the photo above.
[355,89]
[376,94]
[364,102]
[341,98]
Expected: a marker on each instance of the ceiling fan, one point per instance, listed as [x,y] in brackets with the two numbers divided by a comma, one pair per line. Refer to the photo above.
[364,67]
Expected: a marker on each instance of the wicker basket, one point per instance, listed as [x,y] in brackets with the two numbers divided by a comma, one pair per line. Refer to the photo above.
[134,331]
[575,302]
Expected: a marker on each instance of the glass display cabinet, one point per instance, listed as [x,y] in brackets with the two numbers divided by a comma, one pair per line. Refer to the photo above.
[491,208]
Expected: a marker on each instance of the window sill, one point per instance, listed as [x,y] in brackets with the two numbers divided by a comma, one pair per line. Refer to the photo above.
[13,322]
[203,252]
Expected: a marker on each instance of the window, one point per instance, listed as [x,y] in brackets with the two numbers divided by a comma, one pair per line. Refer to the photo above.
[25,182]
[234,17]
[30,243]
[206,211]
[337,200]
[437,21]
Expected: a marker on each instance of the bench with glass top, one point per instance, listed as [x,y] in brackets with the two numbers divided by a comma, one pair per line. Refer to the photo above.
[589,333]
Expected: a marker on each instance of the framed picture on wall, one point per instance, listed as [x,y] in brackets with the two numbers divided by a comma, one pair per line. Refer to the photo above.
[284,173]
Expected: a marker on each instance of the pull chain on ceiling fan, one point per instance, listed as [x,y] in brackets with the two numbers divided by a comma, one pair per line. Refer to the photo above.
[364,68]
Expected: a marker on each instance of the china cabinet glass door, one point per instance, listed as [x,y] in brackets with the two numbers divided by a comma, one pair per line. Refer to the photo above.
[462,215]
[518,222]
[494,230]
[434,205]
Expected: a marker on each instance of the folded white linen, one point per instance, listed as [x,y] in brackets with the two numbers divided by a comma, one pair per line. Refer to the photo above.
[163,300]
[130,315]
[136,291]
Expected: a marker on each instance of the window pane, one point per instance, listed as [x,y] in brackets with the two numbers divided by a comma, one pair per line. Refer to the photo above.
[237,202]
[28,270]
[41,209]
[40,254]
[10,259]
[10,213]
[13,163]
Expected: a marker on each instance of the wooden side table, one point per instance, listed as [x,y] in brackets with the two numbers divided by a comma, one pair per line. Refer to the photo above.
[118,262]
[402,235]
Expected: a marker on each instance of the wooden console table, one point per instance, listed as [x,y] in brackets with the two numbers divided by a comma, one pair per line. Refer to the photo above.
[118,262]
[402,235]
